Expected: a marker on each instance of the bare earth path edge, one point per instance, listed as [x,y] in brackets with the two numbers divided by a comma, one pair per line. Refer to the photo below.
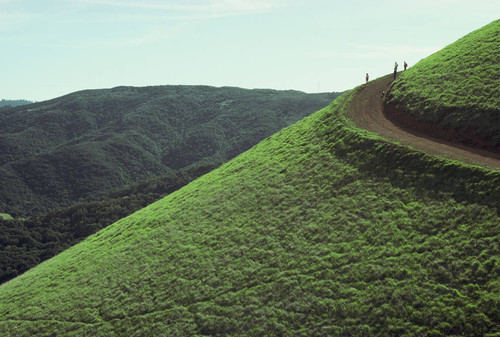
[367,112]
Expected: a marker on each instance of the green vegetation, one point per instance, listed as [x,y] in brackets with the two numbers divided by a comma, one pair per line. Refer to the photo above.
[6,216]
[84,145]
[321,229]
[24,243]
[13,102]
[457,87]
[235,126]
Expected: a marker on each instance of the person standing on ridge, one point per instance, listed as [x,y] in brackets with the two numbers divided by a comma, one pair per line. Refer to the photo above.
[395,69]
[405,65]
[367,77]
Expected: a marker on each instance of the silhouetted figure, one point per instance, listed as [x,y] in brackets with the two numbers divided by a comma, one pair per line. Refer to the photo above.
[395,69]
[405,65]
[367,78]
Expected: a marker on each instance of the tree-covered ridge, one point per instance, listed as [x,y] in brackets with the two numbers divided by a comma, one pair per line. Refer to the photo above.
[319,230]
[13,102]
[80,146]
[458,86]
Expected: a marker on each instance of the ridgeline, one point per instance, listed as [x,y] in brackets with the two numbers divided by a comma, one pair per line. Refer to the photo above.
[79,150]
[82,146]
[455,93]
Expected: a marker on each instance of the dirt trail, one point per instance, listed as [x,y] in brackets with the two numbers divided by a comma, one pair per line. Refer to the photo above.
[367,113]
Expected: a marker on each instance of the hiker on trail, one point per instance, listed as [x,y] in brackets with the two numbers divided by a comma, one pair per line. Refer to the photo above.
[367,77]
[405,65]
[395,69]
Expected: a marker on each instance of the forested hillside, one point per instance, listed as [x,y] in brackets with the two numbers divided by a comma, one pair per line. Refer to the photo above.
[13,102]
[80,146]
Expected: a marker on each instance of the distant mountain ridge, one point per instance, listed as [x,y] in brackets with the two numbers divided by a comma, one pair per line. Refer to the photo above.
[87,143]
[13,102]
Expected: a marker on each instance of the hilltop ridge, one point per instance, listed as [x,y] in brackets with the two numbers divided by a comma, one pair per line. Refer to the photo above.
[368,112]
[81,146]
[13,102]
[454,93]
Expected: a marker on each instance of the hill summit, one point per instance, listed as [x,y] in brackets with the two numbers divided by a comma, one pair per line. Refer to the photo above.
[455,93]
[319,230]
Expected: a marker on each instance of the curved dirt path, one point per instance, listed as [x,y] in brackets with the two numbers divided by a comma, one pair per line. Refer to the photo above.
[367,113]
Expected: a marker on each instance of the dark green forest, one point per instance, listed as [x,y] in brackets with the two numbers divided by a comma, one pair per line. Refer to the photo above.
[24,243]
[13,102]
[80,147]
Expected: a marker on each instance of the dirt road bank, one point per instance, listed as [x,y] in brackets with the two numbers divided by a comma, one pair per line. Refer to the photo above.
[367,112]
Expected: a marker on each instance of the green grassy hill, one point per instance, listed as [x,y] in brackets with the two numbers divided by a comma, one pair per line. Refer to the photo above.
[319,230]
[458,88]
[24,243]
[81,146]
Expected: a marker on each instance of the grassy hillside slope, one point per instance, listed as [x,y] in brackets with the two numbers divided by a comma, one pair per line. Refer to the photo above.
[457,87]
[80,146]
[24,243]
[321,229]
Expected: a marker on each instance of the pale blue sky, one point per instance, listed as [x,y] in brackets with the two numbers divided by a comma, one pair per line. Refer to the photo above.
[53,47]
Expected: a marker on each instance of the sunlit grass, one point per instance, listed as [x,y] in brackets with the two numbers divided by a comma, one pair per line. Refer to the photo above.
[317,230]
[457,86]
[6,216]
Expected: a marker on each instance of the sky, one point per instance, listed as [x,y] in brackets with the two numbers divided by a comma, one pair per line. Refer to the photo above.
[49,48]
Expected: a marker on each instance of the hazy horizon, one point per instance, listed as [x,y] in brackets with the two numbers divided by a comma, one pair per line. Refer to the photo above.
[52,49]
